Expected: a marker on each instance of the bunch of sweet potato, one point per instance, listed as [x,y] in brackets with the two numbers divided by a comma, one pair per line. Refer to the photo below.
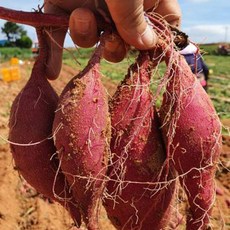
[80,149]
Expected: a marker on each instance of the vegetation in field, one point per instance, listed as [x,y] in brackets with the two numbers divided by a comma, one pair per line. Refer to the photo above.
[219,83]
[219,87]
[8,52]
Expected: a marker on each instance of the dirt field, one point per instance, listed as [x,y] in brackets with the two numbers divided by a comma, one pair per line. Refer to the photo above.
[21,208]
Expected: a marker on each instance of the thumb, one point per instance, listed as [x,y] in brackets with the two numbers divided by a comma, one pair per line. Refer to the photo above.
[128,16]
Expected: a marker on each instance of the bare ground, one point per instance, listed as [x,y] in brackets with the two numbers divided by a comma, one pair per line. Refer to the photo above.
[22,208]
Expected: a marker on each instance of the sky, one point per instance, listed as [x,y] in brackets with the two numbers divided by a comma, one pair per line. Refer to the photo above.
[205,21]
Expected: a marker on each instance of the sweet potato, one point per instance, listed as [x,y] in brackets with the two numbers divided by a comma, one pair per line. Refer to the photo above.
[192,132]
[139,196]
[82,133]
[30,136]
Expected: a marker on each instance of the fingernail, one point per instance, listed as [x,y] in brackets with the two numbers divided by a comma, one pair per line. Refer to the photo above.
[113,42]
[111,46]
[82,26]
[149,37]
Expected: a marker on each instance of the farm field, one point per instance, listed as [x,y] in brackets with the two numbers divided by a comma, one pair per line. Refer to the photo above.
[21,208]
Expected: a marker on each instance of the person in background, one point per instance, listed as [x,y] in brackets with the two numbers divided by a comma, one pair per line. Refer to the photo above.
[127,15]
[196,63]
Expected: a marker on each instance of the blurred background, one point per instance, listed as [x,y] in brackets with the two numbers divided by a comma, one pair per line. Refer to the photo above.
[207,22]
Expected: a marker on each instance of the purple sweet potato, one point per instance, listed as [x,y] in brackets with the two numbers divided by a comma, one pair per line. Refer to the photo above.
[82,134]
[192,133]
[139,195]
[191,130]
[30,136]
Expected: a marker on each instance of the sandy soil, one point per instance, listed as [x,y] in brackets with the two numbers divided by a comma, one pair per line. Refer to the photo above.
[22,208]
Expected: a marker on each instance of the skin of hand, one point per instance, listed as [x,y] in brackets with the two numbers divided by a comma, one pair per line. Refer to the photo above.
[128,16]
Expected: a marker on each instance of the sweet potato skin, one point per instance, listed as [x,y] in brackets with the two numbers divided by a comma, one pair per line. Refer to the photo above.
[82,133]
[138,157]
[30,136]
[32,146]
[192,133]
[30,122]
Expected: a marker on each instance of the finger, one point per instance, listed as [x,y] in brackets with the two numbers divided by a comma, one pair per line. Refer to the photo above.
[129,18]
[55,40]
[83,27]
[115,48]
[170,10]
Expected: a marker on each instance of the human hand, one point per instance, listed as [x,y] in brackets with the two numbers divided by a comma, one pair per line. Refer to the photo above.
[128,16]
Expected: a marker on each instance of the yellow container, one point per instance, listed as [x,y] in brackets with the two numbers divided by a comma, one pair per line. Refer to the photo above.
[10,74]
[15,73]
[14,61]
[6,76]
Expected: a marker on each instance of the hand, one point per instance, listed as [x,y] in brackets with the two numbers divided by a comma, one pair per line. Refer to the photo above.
[128,16]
